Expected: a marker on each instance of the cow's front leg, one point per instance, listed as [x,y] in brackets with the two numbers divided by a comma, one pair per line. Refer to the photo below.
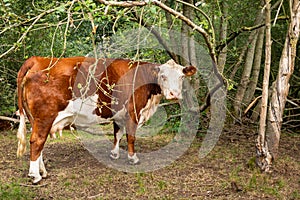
[130,134]
[132,157]
[118,133]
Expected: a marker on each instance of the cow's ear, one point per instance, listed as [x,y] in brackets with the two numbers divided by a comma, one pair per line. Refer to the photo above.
[189,71]
[155,70]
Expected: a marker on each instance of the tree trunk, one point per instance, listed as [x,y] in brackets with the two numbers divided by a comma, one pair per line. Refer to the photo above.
[245,76]
[261,145]
[185,35]
[173,40]
[223,35]
[245,79]
[239,62]
[249,94]
[268,146]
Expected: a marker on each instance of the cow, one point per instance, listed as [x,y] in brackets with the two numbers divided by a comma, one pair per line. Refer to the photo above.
[56,92]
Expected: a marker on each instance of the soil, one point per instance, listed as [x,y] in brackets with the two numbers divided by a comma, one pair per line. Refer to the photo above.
[227,172]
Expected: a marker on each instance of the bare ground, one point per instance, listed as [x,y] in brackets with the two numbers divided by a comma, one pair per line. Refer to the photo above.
[228,172]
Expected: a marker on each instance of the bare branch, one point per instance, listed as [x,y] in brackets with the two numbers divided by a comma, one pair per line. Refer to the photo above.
[203,13]
[124,3]
[157,35]
[9,119]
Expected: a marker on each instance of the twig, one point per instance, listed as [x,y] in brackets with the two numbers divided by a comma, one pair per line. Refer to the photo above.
[251,104]
[124,3]
[277,13]
[33,186]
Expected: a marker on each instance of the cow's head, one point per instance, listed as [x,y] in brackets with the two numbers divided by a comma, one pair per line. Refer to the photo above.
[170,77]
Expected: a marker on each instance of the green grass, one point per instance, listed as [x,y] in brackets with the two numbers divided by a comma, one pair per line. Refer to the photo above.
[14,191]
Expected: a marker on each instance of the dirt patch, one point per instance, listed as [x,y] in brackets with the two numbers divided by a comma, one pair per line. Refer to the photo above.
[228,172]
[5,125]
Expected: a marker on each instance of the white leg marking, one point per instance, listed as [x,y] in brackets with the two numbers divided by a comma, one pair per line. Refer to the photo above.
[115,153]
[133,159]
[42,167]
[34,170]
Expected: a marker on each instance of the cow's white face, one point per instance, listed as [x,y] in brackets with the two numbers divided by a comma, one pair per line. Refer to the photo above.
[170,78]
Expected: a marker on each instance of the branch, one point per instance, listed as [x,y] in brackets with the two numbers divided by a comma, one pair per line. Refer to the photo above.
[203,13]
[37,18]
[157,35]
[233,35]
[124,3]
[178,15]
[9,119]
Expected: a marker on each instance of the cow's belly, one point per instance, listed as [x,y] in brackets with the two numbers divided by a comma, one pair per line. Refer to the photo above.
[81,112]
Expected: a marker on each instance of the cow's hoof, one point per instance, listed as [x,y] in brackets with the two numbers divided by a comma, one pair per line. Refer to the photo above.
[44,175]
[133,160]
[36,179]
[114,155]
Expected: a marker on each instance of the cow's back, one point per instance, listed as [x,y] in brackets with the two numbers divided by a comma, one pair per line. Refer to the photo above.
[46,85]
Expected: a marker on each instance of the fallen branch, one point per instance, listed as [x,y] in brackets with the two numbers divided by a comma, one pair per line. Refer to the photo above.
[10,119]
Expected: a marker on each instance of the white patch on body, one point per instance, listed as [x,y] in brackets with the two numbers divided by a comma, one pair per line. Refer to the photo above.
[79,112]
[149,110]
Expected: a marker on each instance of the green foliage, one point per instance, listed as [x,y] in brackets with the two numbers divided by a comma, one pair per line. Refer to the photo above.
[66,29]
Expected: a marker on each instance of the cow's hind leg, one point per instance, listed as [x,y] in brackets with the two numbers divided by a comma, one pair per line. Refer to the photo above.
[118,133]
[37,140]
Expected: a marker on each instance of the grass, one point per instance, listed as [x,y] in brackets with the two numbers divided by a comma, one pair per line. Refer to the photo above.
[14,191]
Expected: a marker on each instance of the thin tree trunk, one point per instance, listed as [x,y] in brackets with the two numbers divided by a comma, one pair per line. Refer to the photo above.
[173,42]
[249,94]
[245,79]
[185,35]
[223,35]
[245,76]
[268,148]
[261,145]
[240,60]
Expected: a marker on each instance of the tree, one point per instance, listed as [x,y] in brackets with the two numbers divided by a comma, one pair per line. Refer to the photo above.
[269,136]
[245,78]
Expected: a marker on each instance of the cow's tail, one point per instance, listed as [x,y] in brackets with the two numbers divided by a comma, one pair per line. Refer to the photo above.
[21,135]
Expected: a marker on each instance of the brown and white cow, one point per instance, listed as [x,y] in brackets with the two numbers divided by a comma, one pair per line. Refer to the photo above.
[83,91]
